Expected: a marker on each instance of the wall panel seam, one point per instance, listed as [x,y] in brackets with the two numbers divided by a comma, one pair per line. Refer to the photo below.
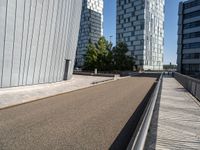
[45,73]
[13,42]
[54,43]
[5,28]
[43,41]
[22,42]
[25,57]
[38,42]
[33,30]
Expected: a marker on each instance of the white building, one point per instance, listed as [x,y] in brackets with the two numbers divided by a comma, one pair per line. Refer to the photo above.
[91,27]
[38,40]
[140,24]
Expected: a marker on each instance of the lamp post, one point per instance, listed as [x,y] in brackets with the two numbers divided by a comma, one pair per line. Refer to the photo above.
[111,39]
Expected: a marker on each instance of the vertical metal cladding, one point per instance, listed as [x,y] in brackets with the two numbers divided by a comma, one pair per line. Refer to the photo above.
[36,39]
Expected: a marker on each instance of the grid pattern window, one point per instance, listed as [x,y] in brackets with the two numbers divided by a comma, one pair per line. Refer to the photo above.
[191,56]
[189,37]
[191,45]
[191,25]
[192,14]
[192,4]
[91,27]
[140,24]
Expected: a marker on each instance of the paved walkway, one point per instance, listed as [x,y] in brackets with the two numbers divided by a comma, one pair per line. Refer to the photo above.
[95,118]
[18,95]
[176,120]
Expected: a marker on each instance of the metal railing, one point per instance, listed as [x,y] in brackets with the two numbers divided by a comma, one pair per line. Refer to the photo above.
[139,138]
[189,83]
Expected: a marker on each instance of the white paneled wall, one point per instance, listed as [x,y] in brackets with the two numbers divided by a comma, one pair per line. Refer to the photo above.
[36,37]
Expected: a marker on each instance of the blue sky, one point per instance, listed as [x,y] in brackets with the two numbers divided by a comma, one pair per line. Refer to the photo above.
[171,20]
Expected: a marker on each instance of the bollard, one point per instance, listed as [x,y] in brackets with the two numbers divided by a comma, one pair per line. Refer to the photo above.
[115,77]
[95,71]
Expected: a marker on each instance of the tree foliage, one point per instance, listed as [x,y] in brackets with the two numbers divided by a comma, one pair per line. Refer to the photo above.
[91,57]
[121,60]
[102,56]
[102,47]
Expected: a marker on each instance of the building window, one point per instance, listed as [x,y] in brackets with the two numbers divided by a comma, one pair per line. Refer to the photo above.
[192,4]
[191,45]
[191,35]
[192,14]
[191,56]
[191,25]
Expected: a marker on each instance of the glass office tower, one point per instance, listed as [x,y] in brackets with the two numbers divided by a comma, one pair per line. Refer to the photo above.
[189,37]
[91,27]
[140,24]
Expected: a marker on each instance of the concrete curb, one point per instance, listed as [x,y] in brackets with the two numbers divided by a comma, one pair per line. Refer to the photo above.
[62,93]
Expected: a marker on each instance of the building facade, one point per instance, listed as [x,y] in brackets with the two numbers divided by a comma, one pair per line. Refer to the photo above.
[189,38]
[140,24]
[38,40]
[91,27]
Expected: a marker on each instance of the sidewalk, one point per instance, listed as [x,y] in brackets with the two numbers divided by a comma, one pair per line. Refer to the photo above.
[23,94]
[176,119]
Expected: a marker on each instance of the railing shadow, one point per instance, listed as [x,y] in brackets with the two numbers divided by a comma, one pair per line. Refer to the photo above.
[153,129]
[149,75]
[124,137]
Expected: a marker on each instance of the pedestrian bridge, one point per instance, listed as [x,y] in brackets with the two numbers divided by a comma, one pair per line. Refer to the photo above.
[174,122]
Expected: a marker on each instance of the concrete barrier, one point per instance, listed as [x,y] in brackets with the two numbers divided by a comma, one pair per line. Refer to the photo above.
[94,74]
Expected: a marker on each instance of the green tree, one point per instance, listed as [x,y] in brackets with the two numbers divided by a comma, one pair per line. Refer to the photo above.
[91,57]
[104,54]
[98,55]
[121,60]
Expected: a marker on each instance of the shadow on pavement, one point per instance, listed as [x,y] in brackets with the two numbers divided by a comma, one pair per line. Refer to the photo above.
[124,137]
[153,129]
[149,75]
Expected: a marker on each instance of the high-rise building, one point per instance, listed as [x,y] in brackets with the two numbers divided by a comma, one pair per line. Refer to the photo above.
[140,24]
[189,37]
[38,40]
[91,27]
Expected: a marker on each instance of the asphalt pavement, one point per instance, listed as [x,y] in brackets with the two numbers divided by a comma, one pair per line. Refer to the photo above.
[87,119]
